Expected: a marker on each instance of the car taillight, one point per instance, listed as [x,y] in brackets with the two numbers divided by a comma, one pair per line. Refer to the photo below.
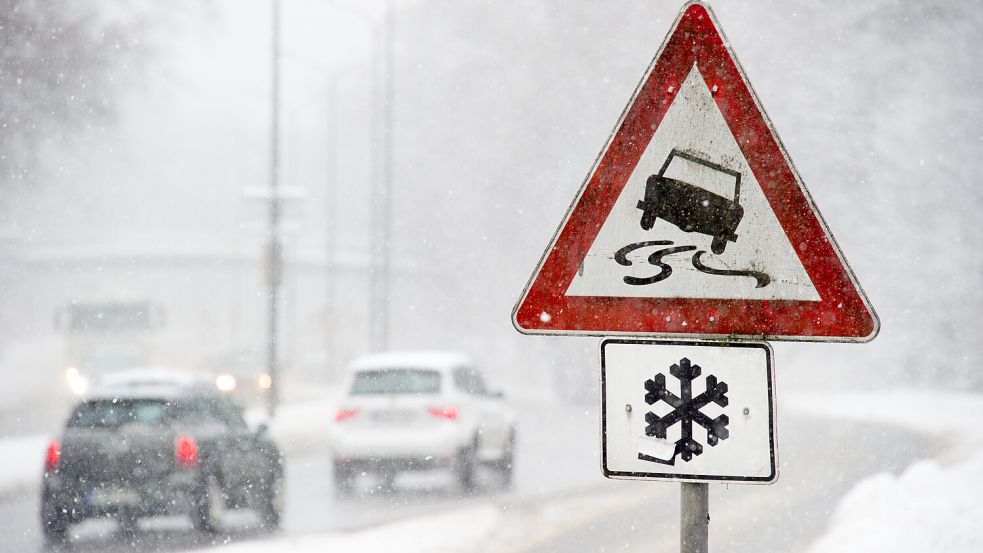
[186,452]
[448,413]
[52,457]
[345,414]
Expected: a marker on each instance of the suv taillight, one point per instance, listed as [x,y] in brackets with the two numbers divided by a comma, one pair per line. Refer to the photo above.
[186,452]
[345,414]
[448,413]
[52,457]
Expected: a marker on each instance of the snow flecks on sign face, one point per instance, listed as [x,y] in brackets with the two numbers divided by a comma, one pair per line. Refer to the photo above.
[758,264]
[693,220]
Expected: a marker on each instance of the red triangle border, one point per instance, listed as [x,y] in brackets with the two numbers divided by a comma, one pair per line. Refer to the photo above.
[842,314]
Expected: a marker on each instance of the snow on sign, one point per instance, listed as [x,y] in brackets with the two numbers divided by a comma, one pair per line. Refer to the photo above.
[688,411]
[693,220]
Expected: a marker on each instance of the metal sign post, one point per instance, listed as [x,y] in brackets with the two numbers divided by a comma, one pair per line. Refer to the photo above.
[694,521]
[693,412]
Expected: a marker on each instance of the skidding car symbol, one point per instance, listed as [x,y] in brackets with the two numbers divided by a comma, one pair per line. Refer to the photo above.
[691,208]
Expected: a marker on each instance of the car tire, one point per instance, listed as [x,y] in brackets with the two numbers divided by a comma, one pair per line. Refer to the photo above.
[271,502]
[505,465]
[209,506]
[54,524]
[718,245]
[466,464]
[344,480]
[127,523]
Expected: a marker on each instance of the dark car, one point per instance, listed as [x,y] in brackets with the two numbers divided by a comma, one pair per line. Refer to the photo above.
[151,447]
[692,208]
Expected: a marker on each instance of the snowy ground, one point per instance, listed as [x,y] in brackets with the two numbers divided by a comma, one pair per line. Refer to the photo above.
[931,506]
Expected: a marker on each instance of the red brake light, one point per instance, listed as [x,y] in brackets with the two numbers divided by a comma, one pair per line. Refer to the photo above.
[53,456]
[186,452]
[344,414]
[448,413]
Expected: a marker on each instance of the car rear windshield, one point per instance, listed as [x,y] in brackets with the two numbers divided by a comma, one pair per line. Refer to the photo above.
[396,381]
[113,413]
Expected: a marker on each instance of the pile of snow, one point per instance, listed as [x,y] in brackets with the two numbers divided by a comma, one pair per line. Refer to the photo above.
[23,463]
[931,506]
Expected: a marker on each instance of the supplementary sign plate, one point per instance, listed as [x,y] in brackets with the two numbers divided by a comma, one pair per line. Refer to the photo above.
[688,411]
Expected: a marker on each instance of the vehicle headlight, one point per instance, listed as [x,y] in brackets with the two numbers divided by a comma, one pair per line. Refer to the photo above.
[265,381]
[77,383]
[225,382]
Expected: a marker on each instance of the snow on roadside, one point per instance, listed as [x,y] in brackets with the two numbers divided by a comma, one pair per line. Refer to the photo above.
[933,504]
[23,463]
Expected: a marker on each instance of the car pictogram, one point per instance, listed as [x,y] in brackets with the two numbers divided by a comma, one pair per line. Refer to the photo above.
[690,207]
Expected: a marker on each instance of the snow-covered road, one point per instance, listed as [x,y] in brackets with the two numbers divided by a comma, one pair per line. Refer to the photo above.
[849,474]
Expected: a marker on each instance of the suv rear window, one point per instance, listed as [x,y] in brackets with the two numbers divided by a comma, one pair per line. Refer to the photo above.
[396,381]
[110,413]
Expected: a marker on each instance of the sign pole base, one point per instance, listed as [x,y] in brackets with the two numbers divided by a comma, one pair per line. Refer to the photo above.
[694,518]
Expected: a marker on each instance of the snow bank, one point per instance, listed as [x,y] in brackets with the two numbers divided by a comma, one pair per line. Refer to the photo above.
[933,505]
[930,507]
[23,463]
[298,428]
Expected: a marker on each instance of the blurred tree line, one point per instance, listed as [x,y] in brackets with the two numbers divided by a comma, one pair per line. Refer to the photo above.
[60,63]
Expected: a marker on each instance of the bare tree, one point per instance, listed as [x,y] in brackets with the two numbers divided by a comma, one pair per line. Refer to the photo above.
[60,64]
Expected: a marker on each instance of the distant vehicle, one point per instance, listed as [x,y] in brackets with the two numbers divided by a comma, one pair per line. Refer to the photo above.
[105,336]
[242,373]
[419,411]
[149,444]
[691,208]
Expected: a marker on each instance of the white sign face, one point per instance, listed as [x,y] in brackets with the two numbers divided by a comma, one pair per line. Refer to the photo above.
[758,262]
[689,411]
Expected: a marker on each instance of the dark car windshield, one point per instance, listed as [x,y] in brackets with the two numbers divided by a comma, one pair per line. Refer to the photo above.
[396,381]
[113,413]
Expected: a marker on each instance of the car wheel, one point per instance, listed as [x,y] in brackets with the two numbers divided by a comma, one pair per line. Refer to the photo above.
[718,245]
[209,506]
[127,523]
[54,523]
[344,480]
[466,461]
[271,507]
[506,463]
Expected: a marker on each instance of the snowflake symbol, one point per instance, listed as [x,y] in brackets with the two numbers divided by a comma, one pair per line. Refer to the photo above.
[686,409]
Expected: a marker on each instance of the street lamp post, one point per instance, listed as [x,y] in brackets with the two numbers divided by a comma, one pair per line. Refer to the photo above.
[274,264]
[382,224]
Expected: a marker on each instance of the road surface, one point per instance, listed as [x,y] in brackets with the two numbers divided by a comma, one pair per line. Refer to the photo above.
[558,451]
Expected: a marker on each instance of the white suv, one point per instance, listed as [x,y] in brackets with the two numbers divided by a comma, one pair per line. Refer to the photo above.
[419,411]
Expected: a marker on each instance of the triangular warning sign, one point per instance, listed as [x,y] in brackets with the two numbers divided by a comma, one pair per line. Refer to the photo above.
[693,219]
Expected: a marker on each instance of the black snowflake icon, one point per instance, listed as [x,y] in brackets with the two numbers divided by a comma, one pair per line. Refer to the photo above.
[686,408]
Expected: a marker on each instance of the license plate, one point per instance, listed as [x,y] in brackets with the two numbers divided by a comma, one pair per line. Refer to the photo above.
[101,497]
[397,416]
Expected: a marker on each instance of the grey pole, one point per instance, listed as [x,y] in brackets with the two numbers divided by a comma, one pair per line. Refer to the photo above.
[695,518]
[381,211]
[387,173]
[274,254]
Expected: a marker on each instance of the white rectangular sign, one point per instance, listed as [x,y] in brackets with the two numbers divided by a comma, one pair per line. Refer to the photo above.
[692,411]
